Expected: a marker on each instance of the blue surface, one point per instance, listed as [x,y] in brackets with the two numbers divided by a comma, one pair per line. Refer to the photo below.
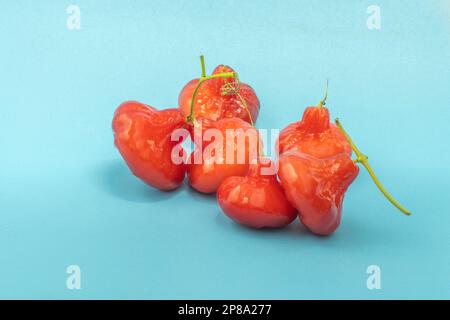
[67,198]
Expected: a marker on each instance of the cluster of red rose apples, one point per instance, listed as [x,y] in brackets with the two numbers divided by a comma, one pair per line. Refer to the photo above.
[314,164]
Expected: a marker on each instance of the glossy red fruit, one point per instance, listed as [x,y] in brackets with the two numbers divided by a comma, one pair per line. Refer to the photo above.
[256,200]
[143,136]
[316,169]
[314,135]
[208,168]
[212,104]
[316,187]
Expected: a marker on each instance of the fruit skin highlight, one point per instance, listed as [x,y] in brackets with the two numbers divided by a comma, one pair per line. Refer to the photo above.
[256,200]
[142,134]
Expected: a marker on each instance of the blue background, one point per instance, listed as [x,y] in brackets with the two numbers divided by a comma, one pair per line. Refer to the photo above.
[66,197]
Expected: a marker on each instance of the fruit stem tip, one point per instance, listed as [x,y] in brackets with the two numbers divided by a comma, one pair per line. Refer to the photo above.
[324,100]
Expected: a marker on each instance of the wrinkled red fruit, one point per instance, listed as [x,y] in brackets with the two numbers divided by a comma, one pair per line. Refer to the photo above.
[207,176]
[143,136]
[211,104]
[316,169]
[316,187]
[256,200]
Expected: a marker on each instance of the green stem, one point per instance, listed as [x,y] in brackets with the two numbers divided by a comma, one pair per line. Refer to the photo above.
[363,159]
[202,63]
[191,117]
